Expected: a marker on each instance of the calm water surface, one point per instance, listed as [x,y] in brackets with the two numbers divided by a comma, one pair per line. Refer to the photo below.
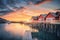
[15,31]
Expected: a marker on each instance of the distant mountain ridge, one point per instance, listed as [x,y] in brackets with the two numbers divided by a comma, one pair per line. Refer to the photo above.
[3,20]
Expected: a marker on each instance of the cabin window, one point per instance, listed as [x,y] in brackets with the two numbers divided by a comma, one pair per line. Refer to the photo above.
[50,19]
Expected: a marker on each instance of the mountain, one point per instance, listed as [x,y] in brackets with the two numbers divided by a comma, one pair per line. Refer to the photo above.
[3,20]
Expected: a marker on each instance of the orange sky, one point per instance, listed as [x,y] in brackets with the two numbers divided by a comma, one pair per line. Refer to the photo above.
[16,16]
[24,14]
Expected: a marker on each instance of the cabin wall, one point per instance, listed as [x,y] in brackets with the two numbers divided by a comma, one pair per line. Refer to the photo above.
[41,19]
[50,18]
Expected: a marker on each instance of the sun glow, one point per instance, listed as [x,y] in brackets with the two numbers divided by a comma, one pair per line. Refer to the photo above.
[17,16]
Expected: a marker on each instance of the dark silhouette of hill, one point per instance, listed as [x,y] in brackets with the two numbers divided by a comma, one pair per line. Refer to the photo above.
[3,20]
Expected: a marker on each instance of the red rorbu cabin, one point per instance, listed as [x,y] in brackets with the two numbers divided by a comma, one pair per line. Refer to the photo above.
[42,18]
[35,19]
[52,17]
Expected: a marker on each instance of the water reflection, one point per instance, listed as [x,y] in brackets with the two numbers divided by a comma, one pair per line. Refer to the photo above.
[17,28]
[13,31]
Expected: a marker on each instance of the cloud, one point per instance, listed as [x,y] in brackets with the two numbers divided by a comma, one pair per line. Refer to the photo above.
[14,5]
[11,4]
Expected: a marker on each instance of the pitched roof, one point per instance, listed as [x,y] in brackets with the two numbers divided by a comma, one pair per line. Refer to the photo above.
[44,15]
[35,17]
[58,13]
[55,14]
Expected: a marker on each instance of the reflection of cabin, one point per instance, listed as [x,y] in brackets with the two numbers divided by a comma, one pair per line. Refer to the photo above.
[52,17]
[3,20]
[42,17]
